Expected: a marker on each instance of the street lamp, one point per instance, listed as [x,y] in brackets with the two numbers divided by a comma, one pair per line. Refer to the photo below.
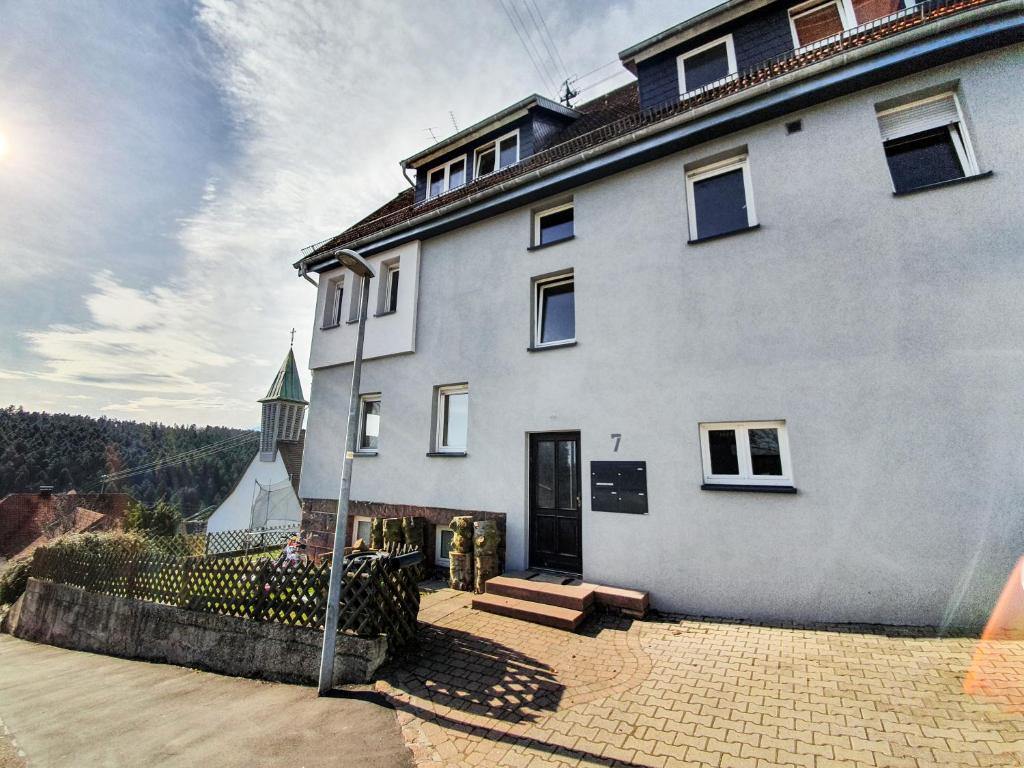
[355,263]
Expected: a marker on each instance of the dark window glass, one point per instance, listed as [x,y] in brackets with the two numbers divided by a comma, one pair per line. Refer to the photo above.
[457,174]
[546,474]
[393,291]
[765,458]
[720,204]
[567,474]
[436,182]
[446,542]
[922,159]
[508,151]
[558,313]
[705,67]
[485,162]
[556,226]
[722,446]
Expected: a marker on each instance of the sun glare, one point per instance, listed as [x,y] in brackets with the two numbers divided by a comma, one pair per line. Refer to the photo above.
[3,145]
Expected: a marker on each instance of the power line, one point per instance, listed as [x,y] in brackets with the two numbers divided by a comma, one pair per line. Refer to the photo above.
[534,59]
[180,458]
[545,37]
[604,80]
[597,69]
[184,454]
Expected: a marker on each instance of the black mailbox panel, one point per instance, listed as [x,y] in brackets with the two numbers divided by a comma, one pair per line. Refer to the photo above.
[618,486]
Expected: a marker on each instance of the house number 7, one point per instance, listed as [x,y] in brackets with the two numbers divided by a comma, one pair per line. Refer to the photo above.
[616,439]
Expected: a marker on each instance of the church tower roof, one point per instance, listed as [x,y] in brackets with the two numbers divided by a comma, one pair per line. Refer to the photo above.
[287,385]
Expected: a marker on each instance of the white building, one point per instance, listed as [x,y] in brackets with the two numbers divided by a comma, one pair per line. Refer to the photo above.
[265,494]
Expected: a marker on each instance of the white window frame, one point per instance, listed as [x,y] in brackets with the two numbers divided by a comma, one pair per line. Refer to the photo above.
[373,397]
[438,532]
[960,137]
[494,146]
[746,474]
[392,270]
[356,520]
[442,393]
[717,169]
[333,302]
[538,310]
[447,167]
[547,212]
[730,53]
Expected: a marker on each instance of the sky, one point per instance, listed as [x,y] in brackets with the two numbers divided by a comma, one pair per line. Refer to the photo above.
[162,164]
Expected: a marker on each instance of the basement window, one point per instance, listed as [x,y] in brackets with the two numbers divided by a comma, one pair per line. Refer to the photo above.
[926,143]
[442,545]
[361,529]
[752,453]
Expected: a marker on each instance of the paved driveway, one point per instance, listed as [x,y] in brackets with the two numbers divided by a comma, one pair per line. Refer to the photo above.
[68,709]
[486,690]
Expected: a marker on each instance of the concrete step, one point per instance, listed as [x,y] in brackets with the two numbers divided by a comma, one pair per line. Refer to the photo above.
[628,601]
[577,597]
[538,613]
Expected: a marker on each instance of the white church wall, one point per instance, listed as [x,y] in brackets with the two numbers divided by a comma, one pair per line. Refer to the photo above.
[235,512]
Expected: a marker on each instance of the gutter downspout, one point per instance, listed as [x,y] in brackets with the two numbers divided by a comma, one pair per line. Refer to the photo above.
[303,274]
[405,174]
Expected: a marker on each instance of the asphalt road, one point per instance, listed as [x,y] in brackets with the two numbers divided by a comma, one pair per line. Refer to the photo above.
[68,708]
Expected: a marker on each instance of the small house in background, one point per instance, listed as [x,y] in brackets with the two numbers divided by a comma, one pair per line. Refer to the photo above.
[265,494]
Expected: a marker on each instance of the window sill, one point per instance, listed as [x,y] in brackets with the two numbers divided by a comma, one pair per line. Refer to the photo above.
[352,322]
[446,454]
[941,184]
[554,345]
[698,240]
[366,453]
[329,327]
[748,488]
[553,242]
[384,314]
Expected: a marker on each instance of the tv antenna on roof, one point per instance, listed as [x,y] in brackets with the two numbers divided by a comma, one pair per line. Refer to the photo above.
[452,116]
[433,137]
[568,92]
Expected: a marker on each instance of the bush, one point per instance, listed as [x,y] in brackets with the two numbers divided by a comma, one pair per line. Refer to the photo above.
[13,578]
[162,519]
[98,544]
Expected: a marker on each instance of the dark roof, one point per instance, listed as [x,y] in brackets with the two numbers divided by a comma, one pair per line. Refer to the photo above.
[287,385]
[617,114]
[28,520]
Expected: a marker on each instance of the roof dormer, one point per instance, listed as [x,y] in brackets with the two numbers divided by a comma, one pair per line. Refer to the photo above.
[491,145]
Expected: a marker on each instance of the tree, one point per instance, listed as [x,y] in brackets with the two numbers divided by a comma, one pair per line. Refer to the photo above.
[162,519]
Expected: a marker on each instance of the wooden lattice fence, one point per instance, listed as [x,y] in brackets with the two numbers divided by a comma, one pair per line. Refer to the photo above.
[223,543]
[379,595]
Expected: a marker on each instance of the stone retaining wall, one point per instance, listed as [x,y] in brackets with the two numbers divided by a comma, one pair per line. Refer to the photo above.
[70,617]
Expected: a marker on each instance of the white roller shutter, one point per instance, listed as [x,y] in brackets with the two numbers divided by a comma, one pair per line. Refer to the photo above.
[922,116]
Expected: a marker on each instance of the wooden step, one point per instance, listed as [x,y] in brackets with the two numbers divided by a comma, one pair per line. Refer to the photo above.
[577,597]
[538,613]
[628,601]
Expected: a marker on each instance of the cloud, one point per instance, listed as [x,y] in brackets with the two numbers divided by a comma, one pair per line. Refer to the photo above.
[322,101]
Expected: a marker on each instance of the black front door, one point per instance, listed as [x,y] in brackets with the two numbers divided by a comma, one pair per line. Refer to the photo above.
[556,525]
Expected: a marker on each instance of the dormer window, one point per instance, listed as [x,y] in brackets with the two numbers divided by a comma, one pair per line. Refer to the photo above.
[817,21]
[498,154]
[707,64]
[447,177]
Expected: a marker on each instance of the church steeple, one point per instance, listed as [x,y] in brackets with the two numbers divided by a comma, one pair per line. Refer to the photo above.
[283,409]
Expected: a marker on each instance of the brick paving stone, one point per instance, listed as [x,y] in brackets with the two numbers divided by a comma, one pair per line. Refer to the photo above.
[487,690]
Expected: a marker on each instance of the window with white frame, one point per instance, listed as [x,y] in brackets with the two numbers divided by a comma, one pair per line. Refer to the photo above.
[387,300]
[498,154]
[746,453]
[361,529]
[719,198]
[555,311]
[704,65]
[452,418]
[369,422]
[926,142]
[356,300]
[332,302]
[553,224]
[446,177]
[442,545]
[814,21]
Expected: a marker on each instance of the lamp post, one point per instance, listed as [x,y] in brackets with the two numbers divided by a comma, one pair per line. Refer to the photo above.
[355,263]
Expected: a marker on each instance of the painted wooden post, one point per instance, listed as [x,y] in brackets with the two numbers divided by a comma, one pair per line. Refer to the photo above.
[460,554]
[392,532]
[486,563]
[376,533]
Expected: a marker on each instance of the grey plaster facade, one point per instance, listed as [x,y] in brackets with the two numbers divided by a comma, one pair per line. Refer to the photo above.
[886,331]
